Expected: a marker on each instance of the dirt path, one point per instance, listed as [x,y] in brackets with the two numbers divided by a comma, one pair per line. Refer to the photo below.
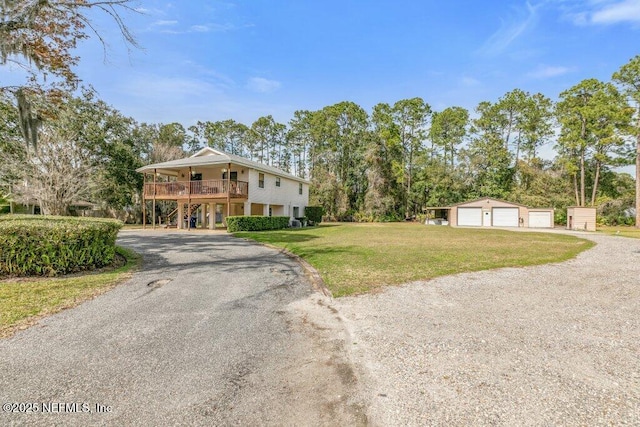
[555,344]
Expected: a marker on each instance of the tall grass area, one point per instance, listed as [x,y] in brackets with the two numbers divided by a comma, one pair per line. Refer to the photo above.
[359,258]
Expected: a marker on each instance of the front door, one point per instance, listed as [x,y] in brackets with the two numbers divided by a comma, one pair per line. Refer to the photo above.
[486,219]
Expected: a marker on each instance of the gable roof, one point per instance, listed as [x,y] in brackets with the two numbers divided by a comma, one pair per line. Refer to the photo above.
[210,157]
[488,198]
[496,200]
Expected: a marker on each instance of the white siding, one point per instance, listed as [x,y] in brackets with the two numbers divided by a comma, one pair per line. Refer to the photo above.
[286,195]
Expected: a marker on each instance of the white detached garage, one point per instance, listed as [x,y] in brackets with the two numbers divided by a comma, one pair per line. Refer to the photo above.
[488,212]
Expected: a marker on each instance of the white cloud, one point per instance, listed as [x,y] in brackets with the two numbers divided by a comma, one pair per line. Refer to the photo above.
[624,11]
[222,28]
[262,85]
[165,23]
[605,12]
[548,71]
[199,28]
[469,81]
[154,87]
[510,30]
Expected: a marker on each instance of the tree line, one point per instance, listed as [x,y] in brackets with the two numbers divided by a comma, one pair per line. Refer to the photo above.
[396,160]
[387,164]
[58,147]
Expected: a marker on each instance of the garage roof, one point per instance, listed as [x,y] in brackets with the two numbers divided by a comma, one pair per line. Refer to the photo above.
[487,198]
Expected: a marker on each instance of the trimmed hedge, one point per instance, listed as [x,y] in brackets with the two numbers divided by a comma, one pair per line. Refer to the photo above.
[314,213]
[256,223]
[51,245]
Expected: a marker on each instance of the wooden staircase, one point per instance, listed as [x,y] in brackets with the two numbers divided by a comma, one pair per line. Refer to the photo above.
[194,208]
[169,221]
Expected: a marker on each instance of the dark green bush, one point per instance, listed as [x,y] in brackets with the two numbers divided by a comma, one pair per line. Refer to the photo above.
[560,216]
[49,245]
[256,223]
[314,213]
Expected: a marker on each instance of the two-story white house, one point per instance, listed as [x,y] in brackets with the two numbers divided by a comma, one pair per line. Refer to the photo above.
[213,184]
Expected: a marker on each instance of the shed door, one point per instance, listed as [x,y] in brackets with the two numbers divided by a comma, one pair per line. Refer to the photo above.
[470,217]
[539,219]
[505,217]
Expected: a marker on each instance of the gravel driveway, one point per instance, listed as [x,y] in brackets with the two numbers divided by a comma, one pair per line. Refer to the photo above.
[555,344]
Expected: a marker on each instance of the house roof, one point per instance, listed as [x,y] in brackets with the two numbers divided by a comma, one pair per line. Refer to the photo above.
[210,157]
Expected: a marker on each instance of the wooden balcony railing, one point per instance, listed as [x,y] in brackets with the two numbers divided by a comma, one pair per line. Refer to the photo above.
[209,188]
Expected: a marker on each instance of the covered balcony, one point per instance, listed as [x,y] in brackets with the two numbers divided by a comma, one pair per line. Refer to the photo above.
[200,189]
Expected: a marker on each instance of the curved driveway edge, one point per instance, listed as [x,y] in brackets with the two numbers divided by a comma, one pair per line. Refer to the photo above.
[213,330]
[556,344]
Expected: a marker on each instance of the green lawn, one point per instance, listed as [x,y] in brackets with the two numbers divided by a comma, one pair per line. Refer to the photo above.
[620,230]
[358,258]
[23,301]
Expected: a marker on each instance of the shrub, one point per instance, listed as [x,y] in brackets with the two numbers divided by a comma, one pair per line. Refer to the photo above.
[256,223]
[363,217]
[560,216]
[49,245]
[314,213]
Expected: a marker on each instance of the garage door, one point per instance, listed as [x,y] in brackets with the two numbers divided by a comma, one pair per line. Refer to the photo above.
[505,217]
[470,217]
[540,219]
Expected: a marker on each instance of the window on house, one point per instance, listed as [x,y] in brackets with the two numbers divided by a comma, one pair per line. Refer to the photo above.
[234,175]
[296,212]
[261,180]
[300,188]
[277,181]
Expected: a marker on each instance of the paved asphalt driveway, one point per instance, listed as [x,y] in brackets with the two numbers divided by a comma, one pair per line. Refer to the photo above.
[208,333]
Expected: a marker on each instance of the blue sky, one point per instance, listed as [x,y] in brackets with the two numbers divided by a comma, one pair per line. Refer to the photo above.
[214,60]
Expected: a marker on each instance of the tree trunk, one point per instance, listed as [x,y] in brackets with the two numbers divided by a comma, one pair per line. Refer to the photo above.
[575,189]
[583,133]
[515,165]
[595,184]
[407,214]
[582,180]
[506,141]
[638,173]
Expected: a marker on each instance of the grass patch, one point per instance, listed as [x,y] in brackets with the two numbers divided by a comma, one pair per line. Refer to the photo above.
[358,258]
[620,230]
[25,300]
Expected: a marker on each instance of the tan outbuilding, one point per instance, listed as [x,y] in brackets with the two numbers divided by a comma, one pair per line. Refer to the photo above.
[489,212]
[581,218]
